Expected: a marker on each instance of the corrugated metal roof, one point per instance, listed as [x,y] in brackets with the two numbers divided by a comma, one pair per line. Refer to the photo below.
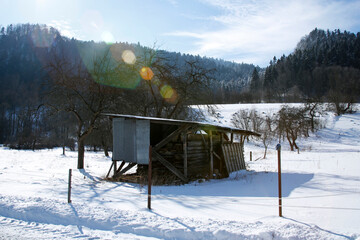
[204,125]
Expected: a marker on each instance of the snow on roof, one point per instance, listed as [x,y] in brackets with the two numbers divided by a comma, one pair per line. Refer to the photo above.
[217,127]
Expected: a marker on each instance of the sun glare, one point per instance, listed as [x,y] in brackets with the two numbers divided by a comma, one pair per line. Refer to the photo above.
[107,37]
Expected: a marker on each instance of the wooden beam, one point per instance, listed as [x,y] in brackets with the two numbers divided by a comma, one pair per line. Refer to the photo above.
[107,175]
[211,155]
[128,167]
[115,167]
[185,154]
[172,135]
[204,141]
[218,157]
[121,166]
[169,166]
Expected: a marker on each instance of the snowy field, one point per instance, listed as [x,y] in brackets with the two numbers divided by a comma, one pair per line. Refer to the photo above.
[321,194]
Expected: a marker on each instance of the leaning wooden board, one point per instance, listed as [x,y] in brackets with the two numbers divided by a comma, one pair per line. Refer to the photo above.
[233,156]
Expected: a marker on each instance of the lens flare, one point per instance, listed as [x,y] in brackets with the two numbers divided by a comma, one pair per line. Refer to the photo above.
[107,37]
[168,93]
[116,51]
[129,57]
[146,73]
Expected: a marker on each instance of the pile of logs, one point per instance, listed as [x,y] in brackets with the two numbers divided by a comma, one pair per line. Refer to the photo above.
[198,164]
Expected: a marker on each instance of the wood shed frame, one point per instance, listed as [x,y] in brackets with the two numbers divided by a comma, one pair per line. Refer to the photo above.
[189,150]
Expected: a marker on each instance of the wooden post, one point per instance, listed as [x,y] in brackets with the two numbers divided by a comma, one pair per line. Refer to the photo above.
[185,154]
[232,137]
[69,186]
[211,155]
[115,167]
[250,156]
[149,178]
[278,148]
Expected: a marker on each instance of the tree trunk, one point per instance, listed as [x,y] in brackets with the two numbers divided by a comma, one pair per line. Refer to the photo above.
[106,151]
[81,153]
[312,123]
[290,143]
[295,145]
[105,147]
[265,152]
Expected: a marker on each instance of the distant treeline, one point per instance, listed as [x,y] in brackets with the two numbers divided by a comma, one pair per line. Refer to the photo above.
[54,90]
[42,99]
[324,66]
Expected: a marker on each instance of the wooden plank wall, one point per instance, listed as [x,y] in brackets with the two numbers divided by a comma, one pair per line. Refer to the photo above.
[197,153]
[234,156]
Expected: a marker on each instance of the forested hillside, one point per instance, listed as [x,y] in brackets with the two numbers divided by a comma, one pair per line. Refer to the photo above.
[53,89]
[324,66]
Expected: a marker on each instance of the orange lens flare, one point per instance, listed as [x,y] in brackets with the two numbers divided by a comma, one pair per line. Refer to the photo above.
[146,73]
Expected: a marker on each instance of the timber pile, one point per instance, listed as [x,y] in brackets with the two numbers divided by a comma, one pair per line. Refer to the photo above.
[198,165]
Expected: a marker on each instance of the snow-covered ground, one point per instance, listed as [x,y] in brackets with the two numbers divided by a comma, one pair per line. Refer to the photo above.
[321,194]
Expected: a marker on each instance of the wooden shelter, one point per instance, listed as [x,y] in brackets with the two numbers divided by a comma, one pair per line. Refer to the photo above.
[181,150]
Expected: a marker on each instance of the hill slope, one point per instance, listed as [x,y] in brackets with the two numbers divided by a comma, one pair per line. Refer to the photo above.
[321,195]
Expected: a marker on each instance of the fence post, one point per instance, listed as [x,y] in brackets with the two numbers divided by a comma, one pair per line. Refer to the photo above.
[149,179]
[69,186]
[278,148]
[250,156]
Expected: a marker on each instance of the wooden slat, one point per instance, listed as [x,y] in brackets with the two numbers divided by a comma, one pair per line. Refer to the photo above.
[241,146]
[241,155]
[241,159]
[237,156]
[225,158]
[233,156]
[231,163]
[211,155]
[168,165]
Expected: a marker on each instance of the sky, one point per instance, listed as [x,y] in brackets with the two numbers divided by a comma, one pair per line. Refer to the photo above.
[244,31]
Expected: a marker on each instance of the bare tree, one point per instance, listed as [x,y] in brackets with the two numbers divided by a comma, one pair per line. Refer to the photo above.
[172,88]
[267,132]
[343,96]
[313,110]
[76,89]
[292,123]
[241,119]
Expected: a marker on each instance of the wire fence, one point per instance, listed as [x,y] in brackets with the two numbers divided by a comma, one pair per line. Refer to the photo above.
[81,180]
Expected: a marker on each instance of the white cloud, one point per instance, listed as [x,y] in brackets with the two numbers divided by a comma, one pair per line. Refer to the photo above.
[65,29]
[259,30]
